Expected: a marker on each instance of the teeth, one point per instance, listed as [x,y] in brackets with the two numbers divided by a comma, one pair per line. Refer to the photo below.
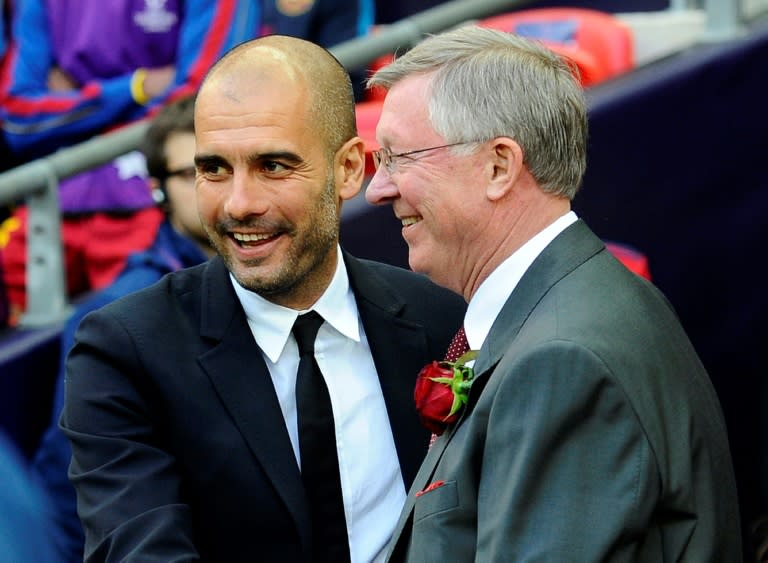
[243,237]
[410,221]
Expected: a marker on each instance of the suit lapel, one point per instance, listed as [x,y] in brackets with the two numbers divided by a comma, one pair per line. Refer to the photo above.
[397,346]
[571,248]
[236,368]
[402,533]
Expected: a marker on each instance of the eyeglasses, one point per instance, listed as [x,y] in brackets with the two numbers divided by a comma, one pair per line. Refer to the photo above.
[385,157]
[186,173]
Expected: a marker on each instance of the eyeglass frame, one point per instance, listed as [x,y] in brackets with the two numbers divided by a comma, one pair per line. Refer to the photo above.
[386,157]
[186,173]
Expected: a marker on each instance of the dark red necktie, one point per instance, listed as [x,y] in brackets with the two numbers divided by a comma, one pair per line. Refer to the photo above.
[458,346]
[456,349]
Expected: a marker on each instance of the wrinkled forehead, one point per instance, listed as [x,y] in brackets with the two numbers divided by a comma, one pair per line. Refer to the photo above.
[239,102]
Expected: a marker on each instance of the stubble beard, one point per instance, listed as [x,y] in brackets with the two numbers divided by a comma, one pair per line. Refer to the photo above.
[300,271]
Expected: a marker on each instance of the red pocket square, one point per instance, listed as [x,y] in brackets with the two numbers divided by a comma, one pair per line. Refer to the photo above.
[431,487]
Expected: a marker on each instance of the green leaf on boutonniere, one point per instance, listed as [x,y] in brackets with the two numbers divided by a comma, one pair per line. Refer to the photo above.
[442,389]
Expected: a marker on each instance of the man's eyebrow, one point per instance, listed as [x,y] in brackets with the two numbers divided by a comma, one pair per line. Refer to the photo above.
[282,156]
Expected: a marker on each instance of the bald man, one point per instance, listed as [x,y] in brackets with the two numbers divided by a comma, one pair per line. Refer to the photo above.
[181,403]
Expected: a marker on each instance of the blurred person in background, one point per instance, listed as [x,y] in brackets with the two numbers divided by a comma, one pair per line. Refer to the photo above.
[25,514]
[7,159]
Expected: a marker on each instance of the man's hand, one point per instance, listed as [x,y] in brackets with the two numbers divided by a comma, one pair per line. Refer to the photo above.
[60,81]
[158,80]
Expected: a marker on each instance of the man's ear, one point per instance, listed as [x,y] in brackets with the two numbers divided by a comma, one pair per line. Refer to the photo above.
[506,165]
[349,168]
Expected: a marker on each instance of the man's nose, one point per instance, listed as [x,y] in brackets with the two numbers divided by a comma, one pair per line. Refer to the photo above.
[246,197]
[381,189]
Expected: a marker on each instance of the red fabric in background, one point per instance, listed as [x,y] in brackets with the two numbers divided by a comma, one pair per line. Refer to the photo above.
[95,249]
[634,260]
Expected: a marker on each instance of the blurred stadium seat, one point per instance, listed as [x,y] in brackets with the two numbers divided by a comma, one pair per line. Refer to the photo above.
[367,114]
[633,259]
[598,43]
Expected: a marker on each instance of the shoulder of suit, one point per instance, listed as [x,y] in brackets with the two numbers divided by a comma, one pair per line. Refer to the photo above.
[401,277]
[156,295]
[417,289]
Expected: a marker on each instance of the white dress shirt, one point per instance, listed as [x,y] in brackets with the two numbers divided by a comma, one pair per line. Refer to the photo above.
[371,482]
[487,302]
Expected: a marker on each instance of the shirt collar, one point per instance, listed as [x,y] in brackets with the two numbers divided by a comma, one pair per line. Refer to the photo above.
[490,297]
[271,324]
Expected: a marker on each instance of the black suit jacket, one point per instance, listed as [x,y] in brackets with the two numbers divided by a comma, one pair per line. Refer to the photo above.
[179,445]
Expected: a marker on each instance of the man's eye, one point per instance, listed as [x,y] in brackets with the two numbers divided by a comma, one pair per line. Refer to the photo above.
[213,170]
[402,159]
[274,167]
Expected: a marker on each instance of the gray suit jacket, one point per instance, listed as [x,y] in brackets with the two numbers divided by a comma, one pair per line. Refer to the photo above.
[180,450]
[592,432]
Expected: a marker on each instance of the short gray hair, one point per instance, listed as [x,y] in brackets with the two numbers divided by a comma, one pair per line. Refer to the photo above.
[488,84]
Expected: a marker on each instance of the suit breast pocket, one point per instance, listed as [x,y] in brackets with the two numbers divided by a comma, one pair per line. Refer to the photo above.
[437,500]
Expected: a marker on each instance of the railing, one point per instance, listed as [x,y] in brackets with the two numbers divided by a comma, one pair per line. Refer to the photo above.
[723,20]
[38,181]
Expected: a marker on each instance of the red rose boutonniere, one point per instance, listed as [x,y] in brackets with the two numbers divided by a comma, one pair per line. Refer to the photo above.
[441,391]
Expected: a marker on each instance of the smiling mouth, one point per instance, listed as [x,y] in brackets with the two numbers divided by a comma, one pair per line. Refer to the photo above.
[408,221]
[247,239]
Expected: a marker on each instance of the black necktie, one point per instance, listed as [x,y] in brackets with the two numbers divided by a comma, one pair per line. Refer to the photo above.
[317,444]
